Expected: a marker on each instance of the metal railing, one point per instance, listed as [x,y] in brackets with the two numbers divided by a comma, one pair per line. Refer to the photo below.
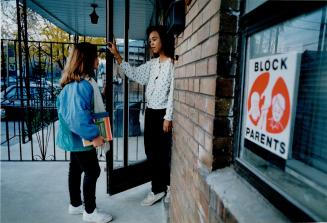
[28,111]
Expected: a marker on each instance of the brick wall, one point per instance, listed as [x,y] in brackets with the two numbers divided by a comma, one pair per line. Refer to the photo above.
[204,104]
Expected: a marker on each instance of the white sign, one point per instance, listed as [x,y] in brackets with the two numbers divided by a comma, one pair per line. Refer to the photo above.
[270,101]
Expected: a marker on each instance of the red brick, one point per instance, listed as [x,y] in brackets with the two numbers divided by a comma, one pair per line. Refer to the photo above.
[206,122]
[208,143]
[176,105]
[208,85]
[225,87]
[190,98]
[212,65]
[210,105]
[205,104]
[198,134]
[224,144]
[188,125]
[204,32]
[185,84]
[205,157]
[177,51]
[228,43]
[227,66]
[211,9]
[179,63]
[181,96]
[184,47]
[188,31]
[178,84]
[197,22]
[194,10]
[196,109]
[194,115]
[201,68]
[182,71]
[196,85]
[196,53]
[190,70]
[223,126]
[228,22]
[214,25]
[177,72]
[187,57]
[210,46]
[201,167]
[193,145]
[202,3]
[179,40]
[224,107]
[192,42]
[190,84]
[199,102]
[184,108]
[202,186]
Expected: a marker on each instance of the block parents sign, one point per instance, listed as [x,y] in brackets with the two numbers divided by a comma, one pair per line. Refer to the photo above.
[270,102]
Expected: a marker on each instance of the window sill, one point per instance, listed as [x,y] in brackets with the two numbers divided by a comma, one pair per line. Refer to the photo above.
[235,193]
[290,195]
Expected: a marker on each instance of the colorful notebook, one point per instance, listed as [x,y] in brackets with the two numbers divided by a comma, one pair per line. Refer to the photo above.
[103,122]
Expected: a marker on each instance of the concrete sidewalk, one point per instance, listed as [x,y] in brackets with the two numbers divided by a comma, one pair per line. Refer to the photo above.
[37,192]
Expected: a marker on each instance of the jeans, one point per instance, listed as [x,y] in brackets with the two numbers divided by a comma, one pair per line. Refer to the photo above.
[86,162]
[157,145]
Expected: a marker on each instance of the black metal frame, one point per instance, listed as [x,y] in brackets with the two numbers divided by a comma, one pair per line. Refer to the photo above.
[126,99]
[30,105]
[41,149]
[129,175]
[265,16]
[109,80]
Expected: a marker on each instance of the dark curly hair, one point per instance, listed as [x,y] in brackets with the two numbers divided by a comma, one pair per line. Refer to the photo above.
[167,40]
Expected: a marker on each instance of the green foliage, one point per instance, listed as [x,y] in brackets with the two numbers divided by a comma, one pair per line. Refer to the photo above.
[37,119]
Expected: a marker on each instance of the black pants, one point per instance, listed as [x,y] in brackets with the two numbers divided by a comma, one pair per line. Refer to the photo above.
[86,162]
[157,146]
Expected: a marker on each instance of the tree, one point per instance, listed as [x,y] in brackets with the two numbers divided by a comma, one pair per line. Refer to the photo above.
[9,22]
[40,29]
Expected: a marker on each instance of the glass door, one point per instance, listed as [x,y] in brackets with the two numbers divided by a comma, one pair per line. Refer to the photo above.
[126,160]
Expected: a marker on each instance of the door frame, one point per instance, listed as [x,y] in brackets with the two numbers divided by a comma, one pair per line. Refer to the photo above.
[132,175]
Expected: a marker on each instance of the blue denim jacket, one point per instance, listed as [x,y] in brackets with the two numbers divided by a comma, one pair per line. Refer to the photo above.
[75,106]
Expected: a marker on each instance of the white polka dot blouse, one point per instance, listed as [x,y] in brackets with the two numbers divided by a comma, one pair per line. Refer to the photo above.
[159,80]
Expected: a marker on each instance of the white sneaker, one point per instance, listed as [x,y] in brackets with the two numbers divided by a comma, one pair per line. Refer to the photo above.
[152,198]
[167,198]
[75,210]
[97,217]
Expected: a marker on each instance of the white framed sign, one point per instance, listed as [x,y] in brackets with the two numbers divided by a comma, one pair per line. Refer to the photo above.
[270,102]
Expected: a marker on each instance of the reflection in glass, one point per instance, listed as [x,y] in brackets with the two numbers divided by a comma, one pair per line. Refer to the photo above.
[303,34]
[304,174]
[136,101]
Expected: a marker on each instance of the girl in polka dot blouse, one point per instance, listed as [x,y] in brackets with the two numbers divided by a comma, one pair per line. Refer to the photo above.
[158,76]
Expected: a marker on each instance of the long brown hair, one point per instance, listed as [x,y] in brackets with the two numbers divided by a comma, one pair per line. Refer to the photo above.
[80,63]
[167,40]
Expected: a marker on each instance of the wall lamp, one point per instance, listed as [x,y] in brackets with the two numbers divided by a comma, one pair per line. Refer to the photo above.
[94,17]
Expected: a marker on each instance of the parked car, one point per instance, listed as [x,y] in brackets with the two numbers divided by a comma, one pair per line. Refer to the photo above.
[16,104]
[134,127]
[7,81]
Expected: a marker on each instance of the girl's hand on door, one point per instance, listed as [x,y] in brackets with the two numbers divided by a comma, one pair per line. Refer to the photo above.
[113,49]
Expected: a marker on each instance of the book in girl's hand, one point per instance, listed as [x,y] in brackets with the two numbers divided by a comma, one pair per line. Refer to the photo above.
[103,122]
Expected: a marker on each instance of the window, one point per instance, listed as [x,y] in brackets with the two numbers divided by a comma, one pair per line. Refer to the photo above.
[252,4]
[296,169]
